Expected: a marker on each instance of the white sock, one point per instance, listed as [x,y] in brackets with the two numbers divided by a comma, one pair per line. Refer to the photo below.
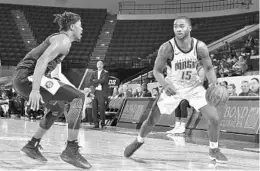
[213,145]
[140,139]
[183,124]
[177,124]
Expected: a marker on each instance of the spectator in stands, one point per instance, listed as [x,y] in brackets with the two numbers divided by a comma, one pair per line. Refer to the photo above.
[245,55]
[234,58]
[256,47]
[232,90]
[250,43]
[240,66]
[229,60]
[155,92]
[4,103]
[130,89]
[245,89]
[139,90]
[224,83]
[145,91]
[126,91]
[227,47]
[120,92]
[135,93]
[253,52]
[99,82]
[254,83]
[115,93]
[223,69]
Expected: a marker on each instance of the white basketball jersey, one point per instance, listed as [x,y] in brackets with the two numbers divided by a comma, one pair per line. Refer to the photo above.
[183,73]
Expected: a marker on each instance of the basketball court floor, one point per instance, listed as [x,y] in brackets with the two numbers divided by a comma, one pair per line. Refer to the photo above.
[104,150]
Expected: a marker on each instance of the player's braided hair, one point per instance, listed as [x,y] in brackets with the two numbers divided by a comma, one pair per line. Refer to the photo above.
[66,19]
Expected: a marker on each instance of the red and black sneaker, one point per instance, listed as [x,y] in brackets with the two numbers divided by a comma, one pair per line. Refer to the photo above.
[31,149]
[72,156]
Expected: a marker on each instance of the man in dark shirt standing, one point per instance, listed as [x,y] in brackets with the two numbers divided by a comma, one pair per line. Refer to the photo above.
[245,89]
[99,82]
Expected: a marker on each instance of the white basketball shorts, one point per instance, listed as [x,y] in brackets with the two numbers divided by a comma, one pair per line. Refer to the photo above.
[195,96]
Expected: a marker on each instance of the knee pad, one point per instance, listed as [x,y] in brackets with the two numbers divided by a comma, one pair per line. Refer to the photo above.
[74,116]
[56,109]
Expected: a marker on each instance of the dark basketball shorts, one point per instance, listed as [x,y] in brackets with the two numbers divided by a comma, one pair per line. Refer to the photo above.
[51,89]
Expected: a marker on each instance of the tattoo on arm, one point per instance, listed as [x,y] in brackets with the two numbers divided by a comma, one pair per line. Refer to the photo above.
[164,55]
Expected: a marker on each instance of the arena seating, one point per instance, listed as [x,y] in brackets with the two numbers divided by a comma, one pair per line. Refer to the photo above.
[41,22]
[12,48]
[134,39]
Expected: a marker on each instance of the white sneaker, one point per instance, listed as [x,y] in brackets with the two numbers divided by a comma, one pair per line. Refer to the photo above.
[180,130]
[173,130]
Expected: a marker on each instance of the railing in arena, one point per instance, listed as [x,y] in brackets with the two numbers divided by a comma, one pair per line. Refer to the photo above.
[178,6]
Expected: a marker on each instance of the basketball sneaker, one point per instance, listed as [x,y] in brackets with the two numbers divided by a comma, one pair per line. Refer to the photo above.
[31,149]
[180,130]
[215,154]
[177,130]
[131,148]
[72,156]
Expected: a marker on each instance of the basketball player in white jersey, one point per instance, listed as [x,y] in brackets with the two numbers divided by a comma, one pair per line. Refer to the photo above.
[180,55]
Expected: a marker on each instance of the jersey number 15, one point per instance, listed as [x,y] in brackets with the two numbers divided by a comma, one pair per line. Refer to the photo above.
[186,75]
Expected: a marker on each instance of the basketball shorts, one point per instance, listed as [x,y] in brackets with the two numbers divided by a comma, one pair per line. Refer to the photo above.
[51,89]
[195,96]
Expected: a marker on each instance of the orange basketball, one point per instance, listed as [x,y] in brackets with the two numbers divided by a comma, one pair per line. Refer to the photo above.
[217,95]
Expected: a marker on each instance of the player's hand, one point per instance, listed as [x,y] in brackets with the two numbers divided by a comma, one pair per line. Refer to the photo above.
[169,89]
[95,80]
[35,99]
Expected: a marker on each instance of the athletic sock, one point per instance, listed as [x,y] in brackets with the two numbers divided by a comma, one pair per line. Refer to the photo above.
[140,139]
[213,145]
[177,124]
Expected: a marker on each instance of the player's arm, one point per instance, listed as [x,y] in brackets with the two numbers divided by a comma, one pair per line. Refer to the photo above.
[59,45]
[92,77]
[203,56]
[103,80]
[165,52]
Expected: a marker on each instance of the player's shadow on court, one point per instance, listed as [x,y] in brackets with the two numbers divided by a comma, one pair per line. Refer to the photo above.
[137,160]
[147,160]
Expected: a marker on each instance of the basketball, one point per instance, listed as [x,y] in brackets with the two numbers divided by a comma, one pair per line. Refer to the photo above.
[217,95]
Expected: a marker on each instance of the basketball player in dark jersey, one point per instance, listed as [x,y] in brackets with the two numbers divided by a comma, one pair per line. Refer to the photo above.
[32,79]
[183,52]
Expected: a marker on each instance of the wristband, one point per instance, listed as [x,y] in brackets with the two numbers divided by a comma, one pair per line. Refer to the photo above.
[37,91]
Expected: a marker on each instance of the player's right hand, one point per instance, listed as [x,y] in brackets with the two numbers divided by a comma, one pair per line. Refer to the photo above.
[169,89]
[34,101]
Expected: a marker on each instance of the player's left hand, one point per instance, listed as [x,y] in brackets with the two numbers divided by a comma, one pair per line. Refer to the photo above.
[35,99]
